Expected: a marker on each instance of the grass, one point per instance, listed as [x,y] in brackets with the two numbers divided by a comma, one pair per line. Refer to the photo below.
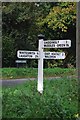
[10,73]
[58,101]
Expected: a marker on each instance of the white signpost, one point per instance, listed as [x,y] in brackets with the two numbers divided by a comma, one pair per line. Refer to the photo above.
[41,55]
[57,44]
[35,55]
[27,54]
[54,55]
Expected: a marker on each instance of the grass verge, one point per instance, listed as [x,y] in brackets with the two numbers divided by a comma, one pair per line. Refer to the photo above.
[12,73]
[58,101]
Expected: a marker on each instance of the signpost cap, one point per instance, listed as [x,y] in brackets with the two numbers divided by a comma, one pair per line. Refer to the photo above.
[41,36]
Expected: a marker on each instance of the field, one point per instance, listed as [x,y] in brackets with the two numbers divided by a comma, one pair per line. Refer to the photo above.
[10,73]
[59,100]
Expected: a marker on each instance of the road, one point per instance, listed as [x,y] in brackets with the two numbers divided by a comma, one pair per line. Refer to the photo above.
[14,82]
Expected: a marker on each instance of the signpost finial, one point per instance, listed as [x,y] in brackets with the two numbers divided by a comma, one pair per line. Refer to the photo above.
[41,36]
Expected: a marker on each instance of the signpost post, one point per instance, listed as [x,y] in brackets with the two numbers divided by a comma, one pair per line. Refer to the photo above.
[40,64]
[41,55]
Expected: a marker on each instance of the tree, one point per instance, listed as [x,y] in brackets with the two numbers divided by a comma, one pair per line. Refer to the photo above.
[61,23]
[22,22]
[19,29]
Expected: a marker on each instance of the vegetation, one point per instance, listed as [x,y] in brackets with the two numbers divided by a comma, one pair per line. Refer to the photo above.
[22,22]
[10,73]
[58,101]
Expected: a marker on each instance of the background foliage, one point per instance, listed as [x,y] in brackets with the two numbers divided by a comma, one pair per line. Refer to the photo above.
[22,22]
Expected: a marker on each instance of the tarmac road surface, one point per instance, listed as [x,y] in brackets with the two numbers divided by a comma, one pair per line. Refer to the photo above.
[14,82]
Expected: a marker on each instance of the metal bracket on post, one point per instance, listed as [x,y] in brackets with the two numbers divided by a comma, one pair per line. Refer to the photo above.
[40,64]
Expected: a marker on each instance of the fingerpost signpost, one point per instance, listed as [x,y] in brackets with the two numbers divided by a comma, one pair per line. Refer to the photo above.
[41,55]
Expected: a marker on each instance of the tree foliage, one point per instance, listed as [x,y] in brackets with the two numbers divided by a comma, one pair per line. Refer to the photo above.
[60,23]
[60,17]
[22,22]
[19,26]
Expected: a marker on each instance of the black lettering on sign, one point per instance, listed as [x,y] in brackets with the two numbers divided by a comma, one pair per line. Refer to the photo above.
[33,53]
[67,44]
[46,56]
[26,55]
[51,56]
[63,45]
[24,52]
[57,53]
[62,54]
[28,52]
[36,56]
[46,53]
[53,45]
[21,55]
[54,56]
[21,52]
[49,45]
[60,45]
[54,42]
